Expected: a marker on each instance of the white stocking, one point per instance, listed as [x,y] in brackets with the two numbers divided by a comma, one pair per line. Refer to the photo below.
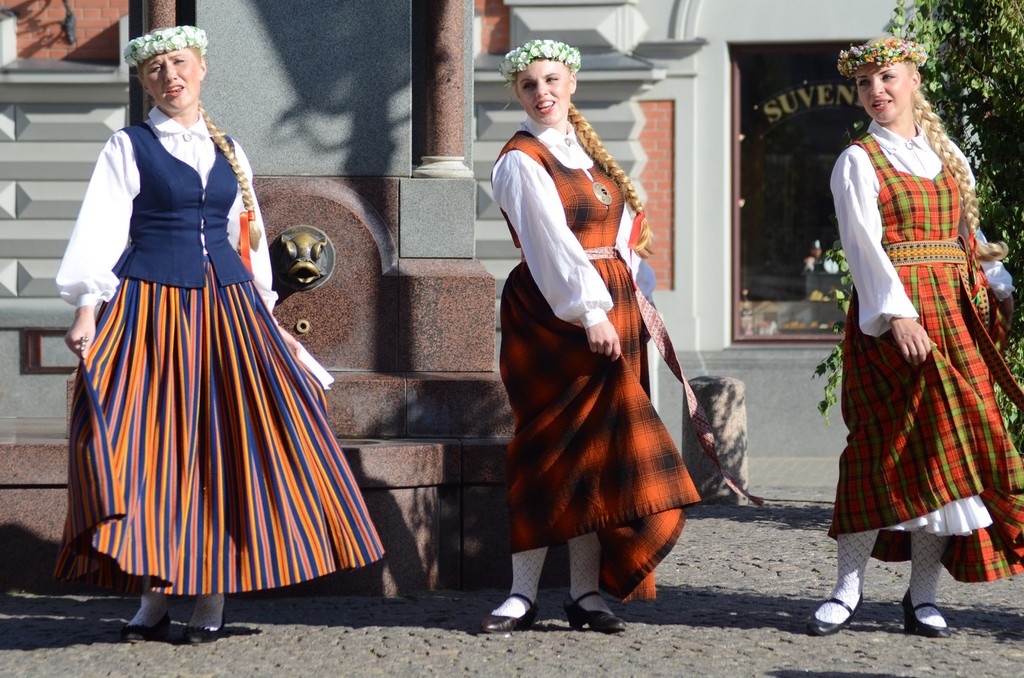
[854,552]
[153,606]
[526,569]
[925,567]
[585,571]
[208,612]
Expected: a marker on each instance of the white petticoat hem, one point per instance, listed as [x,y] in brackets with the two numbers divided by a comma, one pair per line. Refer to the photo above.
[959,518]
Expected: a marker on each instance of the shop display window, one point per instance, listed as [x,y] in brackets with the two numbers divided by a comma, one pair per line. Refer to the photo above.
[793,115]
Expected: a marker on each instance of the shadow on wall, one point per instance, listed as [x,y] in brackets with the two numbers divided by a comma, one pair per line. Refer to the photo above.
[358,75]
[405,518]
[28,566]
[71,36]
[406,521]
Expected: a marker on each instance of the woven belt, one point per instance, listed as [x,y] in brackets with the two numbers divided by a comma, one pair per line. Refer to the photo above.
[592,253]
[926,252]
[601,253]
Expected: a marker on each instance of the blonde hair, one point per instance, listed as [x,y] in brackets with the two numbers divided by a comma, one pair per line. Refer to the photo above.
[594,147]
[228,150]
[951,160]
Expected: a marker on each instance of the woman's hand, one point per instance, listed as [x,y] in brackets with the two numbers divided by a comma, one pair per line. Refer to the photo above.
[291,342]
[604,339]
[80,335]
[914,344]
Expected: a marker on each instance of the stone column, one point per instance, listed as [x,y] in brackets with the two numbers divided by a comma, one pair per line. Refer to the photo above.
[444,141]
[145,16]
[159,14]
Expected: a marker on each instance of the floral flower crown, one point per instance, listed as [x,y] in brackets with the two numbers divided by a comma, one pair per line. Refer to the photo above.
[521,57]
[887,50]
[164,40]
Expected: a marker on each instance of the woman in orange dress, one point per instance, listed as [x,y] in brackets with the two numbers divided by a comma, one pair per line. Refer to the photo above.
[929,473]
[590,463]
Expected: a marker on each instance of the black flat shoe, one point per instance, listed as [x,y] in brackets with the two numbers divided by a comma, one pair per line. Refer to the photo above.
[134,633]
[201,634]
[911,624]
[597,620]
[496,623]
[816,627]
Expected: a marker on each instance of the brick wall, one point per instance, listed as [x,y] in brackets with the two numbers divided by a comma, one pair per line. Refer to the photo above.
[657,138]
[494,26]
[40,35]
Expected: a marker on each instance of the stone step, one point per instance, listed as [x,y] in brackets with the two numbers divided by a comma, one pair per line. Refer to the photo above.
[438,501]
[438,505]
[397,405]
[418,405]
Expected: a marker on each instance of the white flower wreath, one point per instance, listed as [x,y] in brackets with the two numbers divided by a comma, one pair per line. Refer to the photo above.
[521,57]
[165,40]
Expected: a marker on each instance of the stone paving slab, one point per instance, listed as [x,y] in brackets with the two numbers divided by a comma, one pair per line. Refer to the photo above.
[733,598]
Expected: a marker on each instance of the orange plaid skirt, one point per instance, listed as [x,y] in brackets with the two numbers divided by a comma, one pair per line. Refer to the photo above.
[590,453]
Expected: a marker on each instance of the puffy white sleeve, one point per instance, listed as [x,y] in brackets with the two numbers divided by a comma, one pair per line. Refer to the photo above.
[999,278]
[569,282]
[645,279]
[879,290]
[85,276]
[261,271]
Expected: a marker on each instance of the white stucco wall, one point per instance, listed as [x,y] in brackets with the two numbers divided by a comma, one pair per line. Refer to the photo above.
[698,310]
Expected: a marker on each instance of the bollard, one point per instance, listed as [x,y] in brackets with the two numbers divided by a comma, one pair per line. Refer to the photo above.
[724,401]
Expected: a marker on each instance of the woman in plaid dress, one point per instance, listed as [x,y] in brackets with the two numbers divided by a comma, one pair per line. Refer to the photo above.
[929,473]
[591,463]
[201,460]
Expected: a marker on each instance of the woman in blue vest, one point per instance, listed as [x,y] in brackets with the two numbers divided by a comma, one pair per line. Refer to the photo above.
[201,461]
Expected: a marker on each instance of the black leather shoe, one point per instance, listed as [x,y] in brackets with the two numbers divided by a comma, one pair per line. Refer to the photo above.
[134,633]
[201,634]
[911,624]
[816,627]
[597,620]
[496,623]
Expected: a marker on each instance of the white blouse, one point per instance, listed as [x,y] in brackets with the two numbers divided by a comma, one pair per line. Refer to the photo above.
[527,194]
[101,231]
[855,191]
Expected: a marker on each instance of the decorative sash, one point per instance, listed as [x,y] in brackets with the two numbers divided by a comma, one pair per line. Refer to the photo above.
[659,333]
[245,219]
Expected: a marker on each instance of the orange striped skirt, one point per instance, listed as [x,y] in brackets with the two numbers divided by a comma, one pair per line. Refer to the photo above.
[200,452]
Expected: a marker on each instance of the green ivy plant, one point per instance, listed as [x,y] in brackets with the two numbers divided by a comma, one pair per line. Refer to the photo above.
[832,366]
[974,79]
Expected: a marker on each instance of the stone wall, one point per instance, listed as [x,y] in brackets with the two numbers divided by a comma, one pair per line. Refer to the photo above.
[53,123]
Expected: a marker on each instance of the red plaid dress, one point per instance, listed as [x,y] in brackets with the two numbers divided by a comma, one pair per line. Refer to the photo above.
[590,454]
[924,437]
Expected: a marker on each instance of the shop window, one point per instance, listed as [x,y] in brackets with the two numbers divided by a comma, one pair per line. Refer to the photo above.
[793,115]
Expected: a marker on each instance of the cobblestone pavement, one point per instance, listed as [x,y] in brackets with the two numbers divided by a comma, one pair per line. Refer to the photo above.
[733,599]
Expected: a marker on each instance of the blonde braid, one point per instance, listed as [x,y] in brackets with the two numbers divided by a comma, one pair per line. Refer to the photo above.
[243,181]
[936,134]
[594,147]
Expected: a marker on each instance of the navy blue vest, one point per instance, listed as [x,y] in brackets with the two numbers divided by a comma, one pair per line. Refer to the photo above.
[167,216]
